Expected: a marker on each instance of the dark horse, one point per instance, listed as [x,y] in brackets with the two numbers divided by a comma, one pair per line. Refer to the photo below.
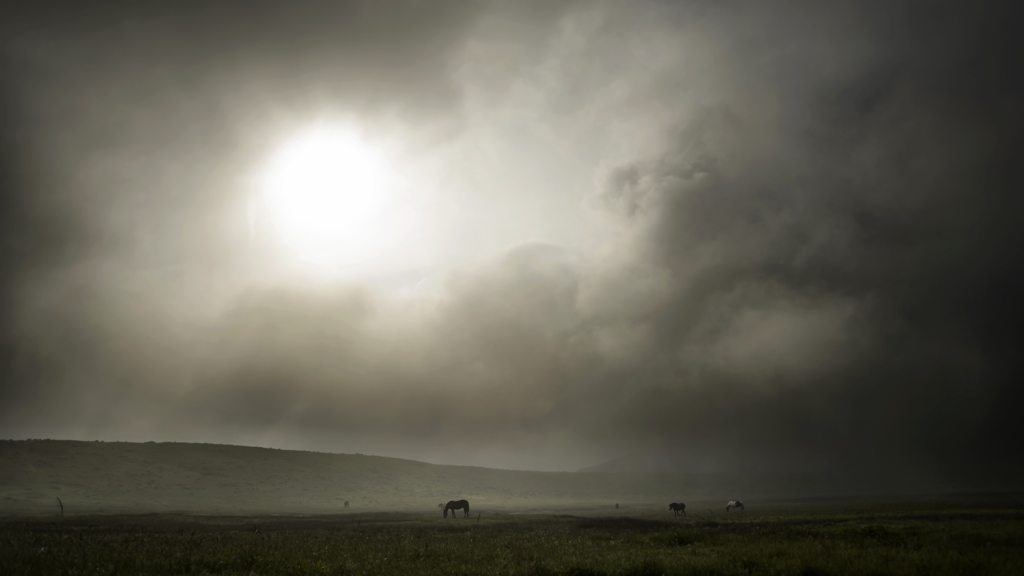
[457,505]
[676,508]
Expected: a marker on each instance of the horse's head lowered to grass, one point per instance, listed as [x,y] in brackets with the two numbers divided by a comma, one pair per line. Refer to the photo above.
[457,505]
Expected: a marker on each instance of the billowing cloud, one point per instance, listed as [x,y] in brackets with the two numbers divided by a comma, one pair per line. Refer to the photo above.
[738,235]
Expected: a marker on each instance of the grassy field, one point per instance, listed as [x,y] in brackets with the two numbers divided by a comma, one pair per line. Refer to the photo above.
[869,541]
[133,508]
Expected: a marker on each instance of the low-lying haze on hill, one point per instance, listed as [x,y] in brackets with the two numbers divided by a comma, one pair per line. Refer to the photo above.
[105,477]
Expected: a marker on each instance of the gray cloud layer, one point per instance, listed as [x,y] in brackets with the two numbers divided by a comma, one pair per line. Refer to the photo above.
[809,253]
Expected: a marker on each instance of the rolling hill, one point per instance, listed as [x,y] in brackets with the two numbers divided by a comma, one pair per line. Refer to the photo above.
[119,477]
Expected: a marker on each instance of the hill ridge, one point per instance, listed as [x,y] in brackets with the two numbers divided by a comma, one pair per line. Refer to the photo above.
[204,478]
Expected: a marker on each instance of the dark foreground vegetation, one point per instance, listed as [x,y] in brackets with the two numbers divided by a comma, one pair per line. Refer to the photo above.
[927,542]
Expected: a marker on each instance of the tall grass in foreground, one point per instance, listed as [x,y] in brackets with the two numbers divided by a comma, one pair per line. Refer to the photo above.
[943,543]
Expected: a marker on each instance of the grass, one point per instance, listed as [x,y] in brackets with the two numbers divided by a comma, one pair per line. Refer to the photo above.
[925,542]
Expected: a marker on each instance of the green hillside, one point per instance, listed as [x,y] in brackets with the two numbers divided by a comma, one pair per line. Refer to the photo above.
[207,478]
[91,477]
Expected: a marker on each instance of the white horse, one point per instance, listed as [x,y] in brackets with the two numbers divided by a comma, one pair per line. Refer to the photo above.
[734,504]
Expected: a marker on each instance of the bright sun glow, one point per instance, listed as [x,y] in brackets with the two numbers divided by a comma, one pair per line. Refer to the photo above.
[329,195]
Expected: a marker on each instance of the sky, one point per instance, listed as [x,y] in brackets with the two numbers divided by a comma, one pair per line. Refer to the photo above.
[538,235]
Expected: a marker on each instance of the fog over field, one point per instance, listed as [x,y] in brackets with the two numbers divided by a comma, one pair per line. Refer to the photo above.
[688,237]
[46,478]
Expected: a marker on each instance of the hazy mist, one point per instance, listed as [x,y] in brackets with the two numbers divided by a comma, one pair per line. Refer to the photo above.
[743,235]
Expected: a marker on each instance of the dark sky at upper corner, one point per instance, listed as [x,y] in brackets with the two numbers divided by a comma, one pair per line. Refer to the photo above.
[747,234]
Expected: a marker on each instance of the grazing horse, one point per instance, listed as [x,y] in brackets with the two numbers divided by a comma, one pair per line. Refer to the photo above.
[457,505]
[346,503]
[439,506]
[734,504]
[676,508]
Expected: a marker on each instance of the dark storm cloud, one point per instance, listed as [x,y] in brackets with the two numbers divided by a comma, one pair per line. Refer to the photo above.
[846,232]
[817,259]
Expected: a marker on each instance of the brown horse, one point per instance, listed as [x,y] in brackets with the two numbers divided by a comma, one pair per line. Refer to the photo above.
[457,505]
[676,508]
